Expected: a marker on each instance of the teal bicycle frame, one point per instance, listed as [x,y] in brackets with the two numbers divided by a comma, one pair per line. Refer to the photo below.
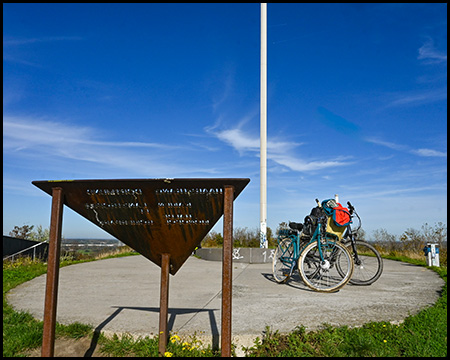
[292,258]
[323,262]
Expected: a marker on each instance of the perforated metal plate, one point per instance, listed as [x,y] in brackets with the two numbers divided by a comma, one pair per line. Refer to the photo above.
[152,216]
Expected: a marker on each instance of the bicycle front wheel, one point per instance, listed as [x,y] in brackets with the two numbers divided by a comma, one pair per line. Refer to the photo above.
[368,263]
[283,261]
[321,273]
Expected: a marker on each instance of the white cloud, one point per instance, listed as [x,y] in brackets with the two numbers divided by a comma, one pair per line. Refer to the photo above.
[419,98]
[277,151]
[11,41]
[10,44]
[429,152]
[43,143]
[404,148]
[429,54]
[238,140]
[300,165]
[387,144]
[21,133]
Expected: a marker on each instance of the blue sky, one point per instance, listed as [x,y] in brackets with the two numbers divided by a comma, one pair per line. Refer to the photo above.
[357,105]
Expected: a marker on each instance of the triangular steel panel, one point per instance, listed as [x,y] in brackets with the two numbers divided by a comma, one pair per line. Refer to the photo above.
[152,216]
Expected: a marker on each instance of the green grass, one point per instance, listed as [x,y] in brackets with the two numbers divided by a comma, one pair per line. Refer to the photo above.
[21,331]
[424,334]
[126,346]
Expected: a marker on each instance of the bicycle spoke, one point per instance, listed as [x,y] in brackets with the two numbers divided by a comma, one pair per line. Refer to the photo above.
[321,274]
[368,264]
[283,261]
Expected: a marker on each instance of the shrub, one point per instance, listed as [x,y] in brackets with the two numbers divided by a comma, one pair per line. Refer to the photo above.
[242,237]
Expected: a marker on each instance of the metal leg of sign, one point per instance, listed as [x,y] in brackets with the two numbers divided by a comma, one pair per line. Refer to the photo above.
[51,289]
[227,267]
[164,304]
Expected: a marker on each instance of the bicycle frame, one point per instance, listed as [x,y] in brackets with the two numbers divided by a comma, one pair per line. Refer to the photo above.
[349,235]
[323,262]
[366,271]
[327,258]
[295,241]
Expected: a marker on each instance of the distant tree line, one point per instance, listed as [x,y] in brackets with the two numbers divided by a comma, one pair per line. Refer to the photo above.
[412,240]
[242,237]
[26,232]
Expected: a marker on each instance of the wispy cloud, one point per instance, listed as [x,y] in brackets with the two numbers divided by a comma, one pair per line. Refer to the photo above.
[12,41]
[14,45]
[244,142]
[296,164]
[40,141]
[418,98]
[407,149]
[429,152]
[238,140]
[280,152]
[375,193]
[220,99]
[387,144]
[429,54]
[20,133]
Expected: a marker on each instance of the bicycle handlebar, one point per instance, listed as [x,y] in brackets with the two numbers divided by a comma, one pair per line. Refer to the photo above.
[352,211]
[350,207]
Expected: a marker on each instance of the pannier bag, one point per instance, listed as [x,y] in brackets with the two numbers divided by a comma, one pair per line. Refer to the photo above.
[338,217]
[310,222]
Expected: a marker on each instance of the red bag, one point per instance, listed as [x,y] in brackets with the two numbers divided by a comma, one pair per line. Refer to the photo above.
[341,215]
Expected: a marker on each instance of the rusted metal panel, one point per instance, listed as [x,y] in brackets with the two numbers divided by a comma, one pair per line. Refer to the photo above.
[152,216]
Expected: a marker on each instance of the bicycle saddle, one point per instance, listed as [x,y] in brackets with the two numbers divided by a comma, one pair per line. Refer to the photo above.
[296,226]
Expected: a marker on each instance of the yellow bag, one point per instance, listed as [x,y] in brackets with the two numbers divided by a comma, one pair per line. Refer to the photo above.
[334,229]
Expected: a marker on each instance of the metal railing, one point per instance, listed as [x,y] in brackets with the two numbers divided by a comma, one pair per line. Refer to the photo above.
[24,250]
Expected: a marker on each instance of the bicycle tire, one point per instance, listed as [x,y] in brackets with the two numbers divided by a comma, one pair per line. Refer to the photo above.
[368,265]
[283,261]
[324,276]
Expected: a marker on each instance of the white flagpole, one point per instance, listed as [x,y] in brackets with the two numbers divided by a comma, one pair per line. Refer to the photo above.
[263,129]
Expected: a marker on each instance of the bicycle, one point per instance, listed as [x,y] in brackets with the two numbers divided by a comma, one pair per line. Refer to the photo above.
[323,262]
[368,264]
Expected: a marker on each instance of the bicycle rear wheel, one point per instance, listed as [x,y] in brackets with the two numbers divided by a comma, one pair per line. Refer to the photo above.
[283,261]
[322,275]
[368,263]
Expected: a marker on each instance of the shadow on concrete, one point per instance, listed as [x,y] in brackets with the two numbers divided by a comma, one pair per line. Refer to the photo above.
[294,281]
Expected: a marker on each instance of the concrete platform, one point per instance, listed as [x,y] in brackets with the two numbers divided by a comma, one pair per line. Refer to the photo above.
[121,295]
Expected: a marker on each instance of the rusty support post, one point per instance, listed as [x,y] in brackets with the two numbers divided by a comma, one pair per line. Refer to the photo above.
[164,303]
[227,268]
[51,290]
